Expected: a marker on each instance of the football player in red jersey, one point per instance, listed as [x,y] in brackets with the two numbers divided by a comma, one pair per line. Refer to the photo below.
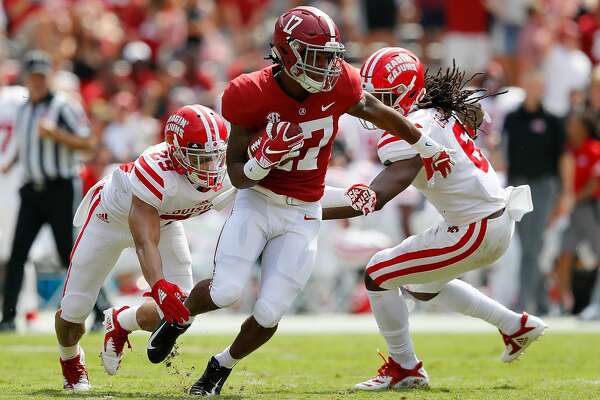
[479,216]
[140,205]
[277,212]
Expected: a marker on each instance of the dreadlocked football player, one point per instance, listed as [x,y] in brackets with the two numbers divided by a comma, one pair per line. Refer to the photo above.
[479,215]
[277,210]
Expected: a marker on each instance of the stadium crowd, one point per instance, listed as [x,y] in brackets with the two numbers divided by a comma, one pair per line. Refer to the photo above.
[132,62]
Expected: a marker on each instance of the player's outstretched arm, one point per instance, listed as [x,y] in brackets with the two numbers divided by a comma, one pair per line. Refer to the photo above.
[239,138]
[394,179]
[435,156]
[144,224]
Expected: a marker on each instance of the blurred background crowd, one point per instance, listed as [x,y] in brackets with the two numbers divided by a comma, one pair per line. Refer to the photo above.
[129,63]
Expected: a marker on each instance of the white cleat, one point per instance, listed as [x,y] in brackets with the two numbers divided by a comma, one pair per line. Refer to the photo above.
[115,338]
[531,329]
[590,313]
[75,374]
[392,376]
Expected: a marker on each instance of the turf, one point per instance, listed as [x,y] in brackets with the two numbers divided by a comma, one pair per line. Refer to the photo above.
[461,366]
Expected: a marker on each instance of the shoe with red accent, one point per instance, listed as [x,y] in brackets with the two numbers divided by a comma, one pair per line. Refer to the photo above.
[531,329]
[75,374]
[115,338]
[392,376]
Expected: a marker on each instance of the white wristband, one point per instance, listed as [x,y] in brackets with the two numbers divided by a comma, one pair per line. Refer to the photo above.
[334,197]
[254,171]
[426,146]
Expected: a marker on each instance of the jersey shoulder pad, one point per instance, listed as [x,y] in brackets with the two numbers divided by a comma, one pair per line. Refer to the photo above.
[237,105]
[153,177]
[349,87]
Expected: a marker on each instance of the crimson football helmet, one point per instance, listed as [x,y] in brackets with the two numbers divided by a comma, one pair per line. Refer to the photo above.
[396,77]
[307,43]
[196,137]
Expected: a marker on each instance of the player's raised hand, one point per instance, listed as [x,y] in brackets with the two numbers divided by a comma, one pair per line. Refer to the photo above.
[281,140]
[169,299]
[362,198]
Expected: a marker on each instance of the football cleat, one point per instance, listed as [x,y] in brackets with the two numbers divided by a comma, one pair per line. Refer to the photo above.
[392,376]
[75,374]
[532,328]
[115,338]
[163,340]
[212,381]
[590,313]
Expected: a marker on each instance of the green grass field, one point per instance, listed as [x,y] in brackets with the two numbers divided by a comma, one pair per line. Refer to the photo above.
[461,366]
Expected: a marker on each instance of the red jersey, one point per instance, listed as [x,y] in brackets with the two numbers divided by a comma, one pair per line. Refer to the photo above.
[587,164]
[252,100]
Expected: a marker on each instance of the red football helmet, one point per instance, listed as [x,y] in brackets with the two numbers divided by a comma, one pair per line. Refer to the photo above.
[196,137]
[307,42]
[395,76]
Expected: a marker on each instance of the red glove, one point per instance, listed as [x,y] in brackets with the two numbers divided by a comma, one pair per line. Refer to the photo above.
[170,299]
[440,162]
[362,198]
[281,140]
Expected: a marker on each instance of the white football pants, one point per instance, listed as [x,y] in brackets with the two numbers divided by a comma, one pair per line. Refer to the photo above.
[281,229]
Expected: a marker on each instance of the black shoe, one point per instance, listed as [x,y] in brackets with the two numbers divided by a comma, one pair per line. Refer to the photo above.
[163,339]
[7,326]
[212,381]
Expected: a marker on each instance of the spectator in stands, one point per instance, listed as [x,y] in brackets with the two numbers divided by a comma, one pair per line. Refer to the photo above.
[581,192]
[466,39]
[565,60]
[593,101]
[534,39]
[589,24]
[535,140]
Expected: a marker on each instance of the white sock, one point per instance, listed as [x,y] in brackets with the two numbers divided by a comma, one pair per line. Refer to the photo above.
[391,314]
[128,319]
[225,360]
[66,353]
[463,298]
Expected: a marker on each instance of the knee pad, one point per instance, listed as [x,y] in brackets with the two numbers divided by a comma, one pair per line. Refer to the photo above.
[75,307]
[268,314]
[226,293]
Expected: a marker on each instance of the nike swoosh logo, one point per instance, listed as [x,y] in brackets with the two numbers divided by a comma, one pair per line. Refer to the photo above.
[307,218]
[269,151]
[325,108]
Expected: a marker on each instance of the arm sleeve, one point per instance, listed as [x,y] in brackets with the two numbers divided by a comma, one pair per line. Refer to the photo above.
[72,118]
[147,184]
[353,87]
[238,102]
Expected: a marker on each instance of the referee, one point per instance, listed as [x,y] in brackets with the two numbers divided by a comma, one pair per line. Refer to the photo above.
[50,129]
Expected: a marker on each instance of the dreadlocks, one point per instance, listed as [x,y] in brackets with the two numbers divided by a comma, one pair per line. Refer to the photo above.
[447,91]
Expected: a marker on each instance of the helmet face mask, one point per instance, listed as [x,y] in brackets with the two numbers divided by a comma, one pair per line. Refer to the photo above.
[317,68]
[196,137]
[203,167]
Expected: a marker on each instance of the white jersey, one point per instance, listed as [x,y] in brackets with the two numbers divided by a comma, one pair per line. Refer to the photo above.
[153,180]
[11,98]
[472,191]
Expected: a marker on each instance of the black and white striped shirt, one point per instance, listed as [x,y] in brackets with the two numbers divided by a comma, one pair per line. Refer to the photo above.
[44,159]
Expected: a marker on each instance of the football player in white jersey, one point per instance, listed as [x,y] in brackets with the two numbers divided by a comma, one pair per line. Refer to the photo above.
[11,98]
[479,216]
[141,205]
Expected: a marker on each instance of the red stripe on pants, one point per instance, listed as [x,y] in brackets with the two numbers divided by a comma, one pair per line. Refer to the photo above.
[90,213]
[439,264]
[424,253]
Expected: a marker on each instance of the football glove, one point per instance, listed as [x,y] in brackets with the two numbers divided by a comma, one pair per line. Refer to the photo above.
[440,162]
[280,142]
[362,198]
[169,299]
